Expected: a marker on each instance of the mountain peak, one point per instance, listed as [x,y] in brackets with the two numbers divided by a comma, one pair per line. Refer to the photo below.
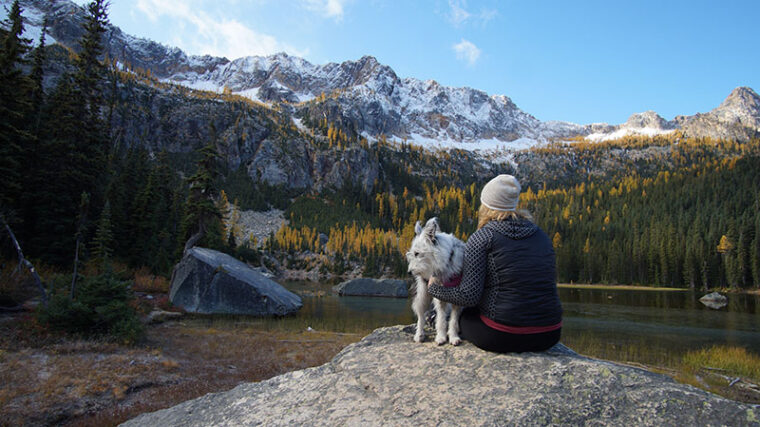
[647,119]
[742,98]
[744,92]
[741,106]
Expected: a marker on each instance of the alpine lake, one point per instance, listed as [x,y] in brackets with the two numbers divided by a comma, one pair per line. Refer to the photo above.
[650,326]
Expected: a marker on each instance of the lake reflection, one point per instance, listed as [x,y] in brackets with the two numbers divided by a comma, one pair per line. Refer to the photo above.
[662,323]
[643,325]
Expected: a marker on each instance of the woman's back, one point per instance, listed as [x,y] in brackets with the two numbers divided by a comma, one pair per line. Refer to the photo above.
[522,273]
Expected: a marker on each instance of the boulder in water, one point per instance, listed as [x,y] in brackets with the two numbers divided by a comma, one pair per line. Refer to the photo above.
[714,300]
[364,286]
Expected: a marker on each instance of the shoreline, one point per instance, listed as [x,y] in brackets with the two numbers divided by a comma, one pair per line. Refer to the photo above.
[654,288]
[617,287]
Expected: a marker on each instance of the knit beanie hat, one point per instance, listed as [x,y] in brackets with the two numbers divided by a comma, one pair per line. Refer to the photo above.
[501,193]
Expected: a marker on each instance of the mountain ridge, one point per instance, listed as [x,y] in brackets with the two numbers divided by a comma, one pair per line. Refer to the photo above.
[369,99]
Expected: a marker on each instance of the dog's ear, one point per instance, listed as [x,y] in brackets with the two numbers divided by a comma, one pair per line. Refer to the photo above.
[431,228]
[417,228]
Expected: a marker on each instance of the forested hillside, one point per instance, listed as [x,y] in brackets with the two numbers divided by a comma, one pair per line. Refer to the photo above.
[687,216]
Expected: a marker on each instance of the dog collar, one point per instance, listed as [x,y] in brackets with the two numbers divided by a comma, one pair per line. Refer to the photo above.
[453,282]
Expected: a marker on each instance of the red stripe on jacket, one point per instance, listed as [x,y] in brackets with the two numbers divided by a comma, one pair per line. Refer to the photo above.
[519,330]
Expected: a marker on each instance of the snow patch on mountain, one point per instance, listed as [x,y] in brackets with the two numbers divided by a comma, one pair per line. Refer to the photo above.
[33,20]
[646,131]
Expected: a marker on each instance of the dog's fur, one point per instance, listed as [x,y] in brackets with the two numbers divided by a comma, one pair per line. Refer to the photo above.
[440,256]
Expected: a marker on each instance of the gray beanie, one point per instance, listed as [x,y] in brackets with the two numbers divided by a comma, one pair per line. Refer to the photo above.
[501,193]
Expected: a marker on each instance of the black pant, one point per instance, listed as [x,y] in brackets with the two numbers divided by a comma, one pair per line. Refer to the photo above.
[483,336]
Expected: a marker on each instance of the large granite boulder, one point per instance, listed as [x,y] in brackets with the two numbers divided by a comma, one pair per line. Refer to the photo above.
[373,288]
[208,281]
[387,379]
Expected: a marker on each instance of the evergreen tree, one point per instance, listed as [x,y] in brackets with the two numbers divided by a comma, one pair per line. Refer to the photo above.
[130,178]
[36,76]
[59,181]
[73,147]
[90,70]
[152,218]
[14,105]
[102,243]
[202,223]
[755,254]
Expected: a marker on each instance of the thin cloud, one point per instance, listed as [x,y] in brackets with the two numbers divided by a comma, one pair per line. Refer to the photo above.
[466,51]
[486,15]
[328,8]
[217,36]
[459,15]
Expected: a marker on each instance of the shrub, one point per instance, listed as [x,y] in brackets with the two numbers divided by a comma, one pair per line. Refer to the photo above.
[101,306]
[145,281]
[248,255]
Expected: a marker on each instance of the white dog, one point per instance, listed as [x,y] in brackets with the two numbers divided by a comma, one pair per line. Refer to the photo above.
[440,256]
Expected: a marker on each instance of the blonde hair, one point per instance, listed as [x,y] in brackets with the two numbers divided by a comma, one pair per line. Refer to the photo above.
[486,215]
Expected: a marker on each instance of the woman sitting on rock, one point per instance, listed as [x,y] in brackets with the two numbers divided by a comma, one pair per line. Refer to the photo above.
[509,279]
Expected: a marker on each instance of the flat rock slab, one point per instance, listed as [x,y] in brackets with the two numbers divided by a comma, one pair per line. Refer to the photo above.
[207,281]
[386,379]
[365,286]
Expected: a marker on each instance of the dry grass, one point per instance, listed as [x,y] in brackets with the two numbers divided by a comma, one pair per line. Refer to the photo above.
[147,282]
[77,382]
[17,284]
[734,361]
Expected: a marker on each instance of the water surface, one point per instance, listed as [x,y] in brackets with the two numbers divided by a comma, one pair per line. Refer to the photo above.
[648,326]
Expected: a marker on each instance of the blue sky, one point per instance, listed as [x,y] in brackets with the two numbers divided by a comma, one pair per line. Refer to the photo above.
[590,61]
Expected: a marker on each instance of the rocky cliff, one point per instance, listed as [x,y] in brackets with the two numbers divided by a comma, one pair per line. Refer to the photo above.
[386,379]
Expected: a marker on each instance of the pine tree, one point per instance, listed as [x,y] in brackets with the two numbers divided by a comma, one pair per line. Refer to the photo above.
[203,221]
[90,71]
[36,76]
[73,147]
[59,181]
[102,243]
[14,106]
[755,255]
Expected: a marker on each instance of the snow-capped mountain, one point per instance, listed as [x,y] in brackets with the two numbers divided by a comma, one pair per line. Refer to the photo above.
[368,98]
[372,98]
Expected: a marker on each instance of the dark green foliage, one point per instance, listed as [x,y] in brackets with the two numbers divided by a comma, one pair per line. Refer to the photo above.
[202,219]
[102,243]
[14,109]
[331,209]
[90,71]
[154,218]
[72,150]
[664,231]
[101,308]
[249,255]
[251,195]
[36,76]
